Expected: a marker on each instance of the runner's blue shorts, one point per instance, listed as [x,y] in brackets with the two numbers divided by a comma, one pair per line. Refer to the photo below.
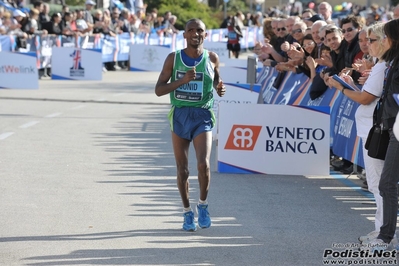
[189,122]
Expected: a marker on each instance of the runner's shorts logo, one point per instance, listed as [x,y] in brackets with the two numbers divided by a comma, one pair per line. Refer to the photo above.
[243,137]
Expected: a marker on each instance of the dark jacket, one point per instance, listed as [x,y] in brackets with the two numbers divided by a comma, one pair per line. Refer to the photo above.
[318,86]
[390,107]
[352,49]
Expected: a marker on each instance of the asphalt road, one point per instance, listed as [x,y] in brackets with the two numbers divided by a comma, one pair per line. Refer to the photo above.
[87,177]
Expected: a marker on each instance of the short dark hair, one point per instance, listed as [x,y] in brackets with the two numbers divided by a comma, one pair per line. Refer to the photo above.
[195,20]
[332,30]
[391,31]
[37,3]
[355,20]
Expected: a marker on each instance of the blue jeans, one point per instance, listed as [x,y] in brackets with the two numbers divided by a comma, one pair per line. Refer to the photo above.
[389,189]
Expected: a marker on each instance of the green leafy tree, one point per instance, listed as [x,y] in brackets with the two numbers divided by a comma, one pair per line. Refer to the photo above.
[75,2]
[185,10]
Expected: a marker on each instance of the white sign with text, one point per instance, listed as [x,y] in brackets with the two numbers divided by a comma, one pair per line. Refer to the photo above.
[148,57]
[235,94]
[18,70]
[273,139]
[220,48]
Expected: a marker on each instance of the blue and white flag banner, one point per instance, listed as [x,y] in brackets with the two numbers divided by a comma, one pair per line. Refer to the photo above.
[76,64]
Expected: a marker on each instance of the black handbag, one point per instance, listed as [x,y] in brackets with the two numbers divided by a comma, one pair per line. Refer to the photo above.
[378,137]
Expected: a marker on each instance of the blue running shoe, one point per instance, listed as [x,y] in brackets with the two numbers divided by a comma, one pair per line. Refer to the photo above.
[189,223]
[204,221]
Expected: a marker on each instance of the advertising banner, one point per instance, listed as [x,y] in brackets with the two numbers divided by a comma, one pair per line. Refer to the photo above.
[235,94]
[18,71]
[294,142]
[76,64]
[219,48]
[148,57]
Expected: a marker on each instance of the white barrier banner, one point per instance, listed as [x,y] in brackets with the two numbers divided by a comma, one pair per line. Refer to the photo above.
[233,74]
[220,48]
[76,64]
[18,71]
[235,94]
[148,57]
[273,139]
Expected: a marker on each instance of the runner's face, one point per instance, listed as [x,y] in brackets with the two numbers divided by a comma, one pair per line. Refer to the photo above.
[195,34]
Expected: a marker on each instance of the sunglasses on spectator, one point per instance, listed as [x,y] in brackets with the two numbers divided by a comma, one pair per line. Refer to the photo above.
[282,29]
[371,40]
[347,30]
[296,31]
[308,44]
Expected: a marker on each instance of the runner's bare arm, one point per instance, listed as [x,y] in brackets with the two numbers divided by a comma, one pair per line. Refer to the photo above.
[163,87]
[217,80]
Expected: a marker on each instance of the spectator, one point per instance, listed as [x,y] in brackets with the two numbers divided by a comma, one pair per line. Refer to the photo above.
[64,10]
[38,5]
[32,27]
[316,37]
[55,25]
[289,23]
[115,20]
[134,24]
[159,27]
[298,31]
[225,22]
[396,12]
[81,25]
[307,14]
[166,17]
[170,30]
[310,21]
[124,20]
[139,6]
[1,15]
[21,18]
[325,11]
[87,16]
[98,20]
[68,25]
[44,14]
[271,26]
[248,22]
[350,28]
[7,26]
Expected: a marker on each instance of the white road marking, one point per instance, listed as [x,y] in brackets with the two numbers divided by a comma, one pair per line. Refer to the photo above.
[53,115]
[29,124]
[5,135]
[100,100]
[78,107]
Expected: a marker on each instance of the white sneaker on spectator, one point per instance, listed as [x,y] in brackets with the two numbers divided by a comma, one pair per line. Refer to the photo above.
[370,236]
[104,69]
[117,67]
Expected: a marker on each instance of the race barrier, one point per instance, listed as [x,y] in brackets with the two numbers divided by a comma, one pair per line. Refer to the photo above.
[18,71]
[148,57]
[117,48]
[292,90]
[237,94]
[273,139]
[76,64]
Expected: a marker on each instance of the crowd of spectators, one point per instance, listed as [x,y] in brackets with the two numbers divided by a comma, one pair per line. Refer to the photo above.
[116,20]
